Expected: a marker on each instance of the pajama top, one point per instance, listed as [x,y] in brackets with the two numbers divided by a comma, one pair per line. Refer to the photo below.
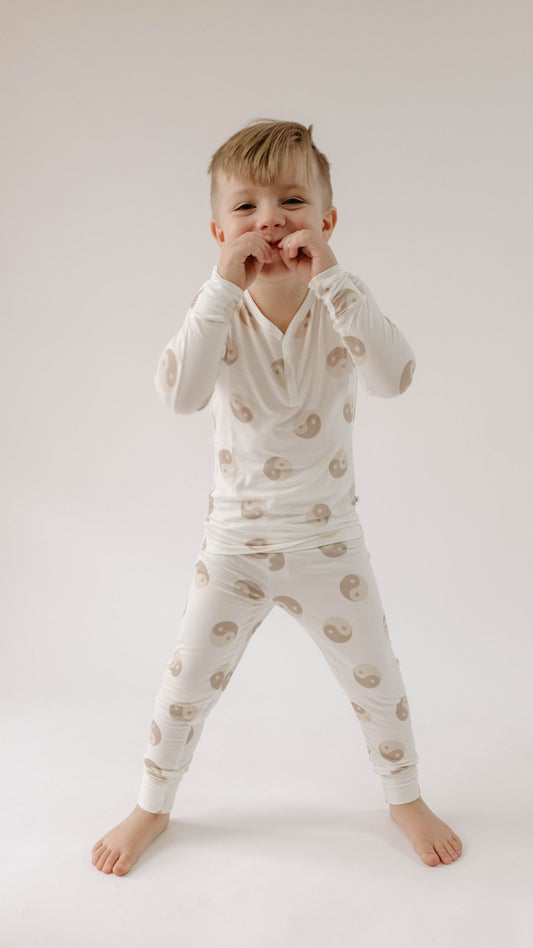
[282,407]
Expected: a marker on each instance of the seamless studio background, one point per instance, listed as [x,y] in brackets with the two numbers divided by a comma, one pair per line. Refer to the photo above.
[111,112]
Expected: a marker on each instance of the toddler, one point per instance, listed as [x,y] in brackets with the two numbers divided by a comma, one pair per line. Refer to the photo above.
[276,341]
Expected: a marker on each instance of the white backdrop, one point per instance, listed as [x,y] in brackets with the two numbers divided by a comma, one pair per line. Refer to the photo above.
[111,112]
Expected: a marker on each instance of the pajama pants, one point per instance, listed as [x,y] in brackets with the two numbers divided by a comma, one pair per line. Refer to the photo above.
[331,591]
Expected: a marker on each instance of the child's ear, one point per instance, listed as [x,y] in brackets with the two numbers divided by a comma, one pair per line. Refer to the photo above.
[217,232]
[328,222]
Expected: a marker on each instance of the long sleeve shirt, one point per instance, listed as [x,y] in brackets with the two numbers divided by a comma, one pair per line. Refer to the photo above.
[282,407]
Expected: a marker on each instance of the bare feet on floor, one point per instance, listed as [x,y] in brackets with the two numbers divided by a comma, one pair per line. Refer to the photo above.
[120,849]
[434,840]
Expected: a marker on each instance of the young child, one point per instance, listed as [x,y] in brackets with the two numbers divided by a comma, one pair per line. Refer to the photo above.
[276,341]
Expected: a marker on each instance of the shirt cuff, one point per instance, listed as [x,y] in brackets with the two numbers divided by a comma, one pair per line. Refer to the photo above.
[218,298]
[322,283]
[232,289]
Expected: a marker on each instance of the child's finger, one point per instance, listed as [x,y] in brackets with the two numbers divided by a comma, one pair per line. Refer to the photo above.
[287,248]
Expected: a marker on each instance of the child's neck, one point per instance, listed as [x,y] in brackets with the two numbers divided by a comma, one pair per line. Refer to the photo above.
[278,302]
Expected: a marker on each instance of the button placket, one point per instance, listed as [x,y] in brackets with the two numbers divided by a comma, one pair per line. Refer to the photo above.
[290,372]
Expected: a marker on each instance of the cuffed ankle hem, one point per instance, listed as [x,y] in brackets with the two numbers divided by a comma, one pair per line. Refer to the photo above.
[403,791]
[155,796]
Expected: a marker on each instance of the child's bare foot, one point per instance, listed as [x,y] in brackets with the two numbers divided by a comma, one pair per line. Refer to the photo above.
[433,839]
[120,849]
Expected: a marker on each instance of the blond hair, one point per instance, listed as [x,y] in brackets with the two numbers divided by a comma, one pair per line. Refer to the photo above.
[259,151]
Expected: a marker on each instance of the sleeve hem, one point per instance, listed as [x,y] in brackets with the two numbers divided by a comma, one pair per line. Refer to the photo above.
[232,289]
[322,282]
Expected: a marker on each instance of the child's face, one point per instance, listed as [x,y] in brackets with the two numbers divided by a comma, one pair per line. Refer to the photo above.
[289,204]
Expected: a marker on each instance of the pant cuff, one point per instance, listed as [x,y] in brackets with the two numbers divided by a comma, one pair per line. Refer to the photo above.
[404,791]
[155,796]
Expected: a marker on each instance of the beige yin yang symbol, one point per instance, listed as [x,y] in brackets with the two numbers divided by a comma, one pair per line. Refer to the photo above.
[354,587]
[392,750]
[248,589]
[176,664]
[349,409]
[228,464]
[307,424]
[154,771]
[183,712]
[407,376]
[155,733]
[246,317]
[241,407]
[402,709]
[303,327]
[319,514]
[221,677]
[252,509]
[337,362]
[223,633]
[362,713]
[367,675]
[232,351]
[344,300]
[278,371]
[201,575]
[167,370]
[289,604]
[334,549]
[356,349]
[277,469]
[338,464]
[337,629]
[258,542]
[276,561]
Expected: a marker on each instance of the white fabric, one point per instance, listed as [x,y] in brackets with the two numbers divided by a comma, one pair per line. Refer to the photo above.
[332,593]
[282,406]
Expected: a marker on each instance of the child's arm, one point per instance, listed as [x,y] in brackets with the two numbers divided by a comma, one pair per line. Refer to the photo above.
[384,359]
[189,364]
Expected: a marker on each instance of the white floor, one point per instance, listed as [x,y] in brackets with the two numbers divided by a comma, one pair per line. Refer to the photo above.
[276,839]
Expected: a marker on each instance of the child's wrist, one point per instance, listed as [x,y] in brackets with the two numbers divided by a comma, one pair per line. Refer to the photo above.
[225,275]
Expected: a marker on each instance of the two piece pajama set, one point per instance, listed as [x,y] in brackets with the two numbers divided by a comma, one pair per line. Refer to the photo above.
[282,527]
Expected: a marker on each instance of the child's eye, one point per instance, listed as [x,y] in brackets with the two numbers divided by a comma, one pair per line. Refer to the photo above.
[244,207]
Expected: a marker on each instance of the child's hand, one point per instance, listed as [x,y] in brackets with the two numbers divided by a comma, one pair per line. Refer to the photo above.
[307,253]
[243,258]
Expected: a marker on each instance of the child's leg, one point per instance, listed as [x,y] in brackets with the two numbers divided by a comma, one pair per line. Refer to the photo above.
[331,591]
[228,599]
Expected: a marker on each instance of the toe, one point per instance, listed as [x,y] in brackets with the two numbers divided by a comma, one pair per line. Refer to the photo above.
[430,858]
[96,851]
[426,852]
[443,853]
[451,851]
[102,857]
[456,843]
[123,865]
[110,861]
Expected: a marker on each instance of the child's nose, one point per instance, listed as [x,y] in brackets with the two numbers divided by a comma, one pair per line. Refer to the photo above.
[271,215]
